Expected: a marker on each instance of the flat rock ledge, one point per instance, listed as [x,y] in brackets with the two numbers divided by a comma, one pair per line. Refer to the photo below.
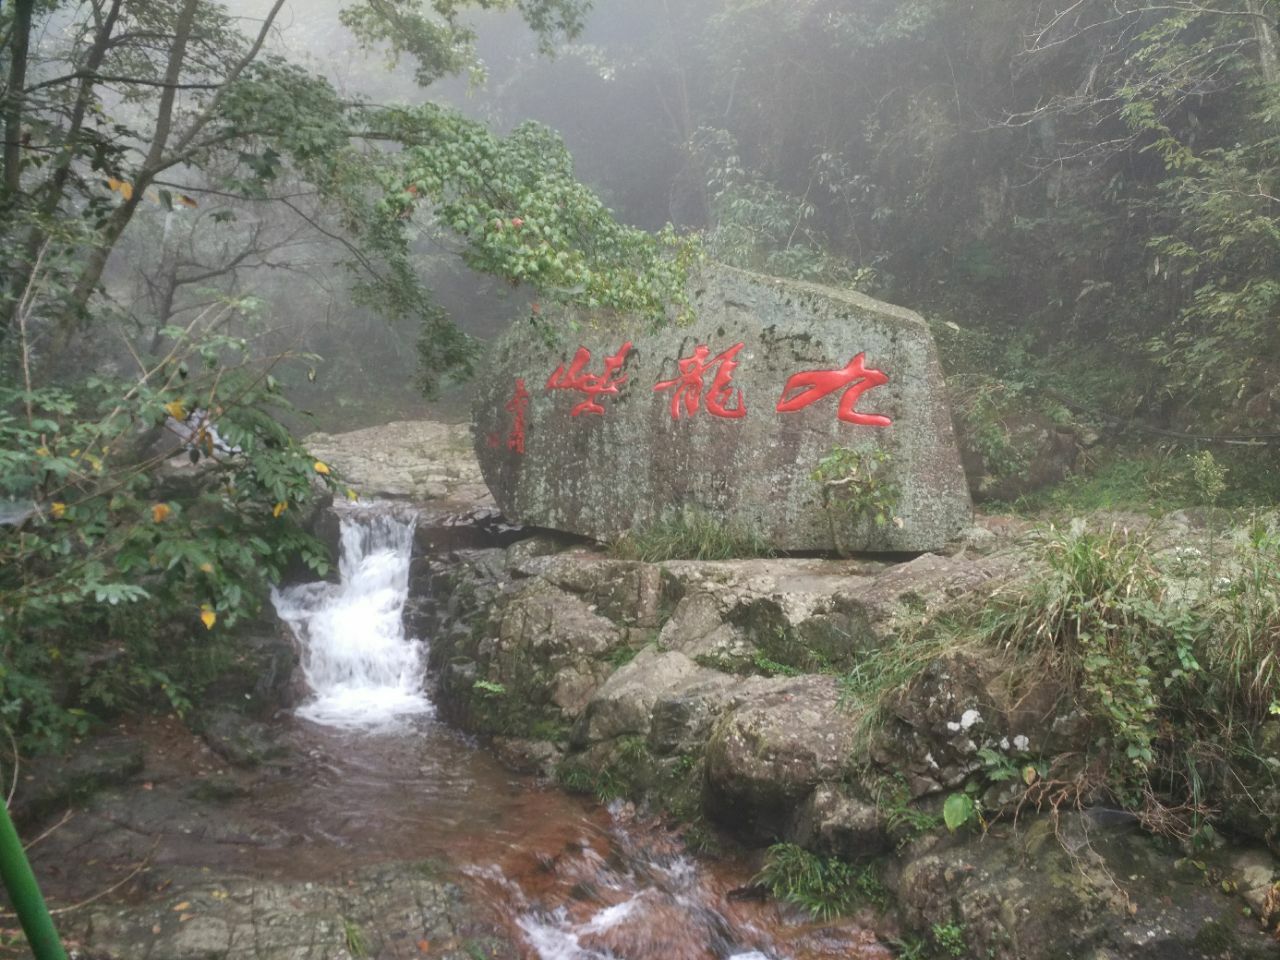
[394,912]
[419,460]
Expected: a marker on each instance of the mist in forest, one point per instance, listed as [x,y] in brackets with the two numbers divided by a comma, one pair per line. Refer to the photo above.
[1051,187]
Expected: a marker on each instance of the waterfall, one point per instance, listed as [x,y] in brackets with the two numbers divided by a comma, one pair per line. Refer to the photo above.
[362,669]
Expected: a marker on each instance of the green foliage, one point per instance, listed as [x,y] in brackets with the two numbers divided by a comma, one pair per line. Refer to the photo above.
[606,786]
[689,534]
[1210,477]
[758,226]
[879,676]
[825,887]
[949,939]
[772,668]
[440,44]
[121,575]
[1167,655]
[489,688]
[959,810]
[857,488]
[354,939]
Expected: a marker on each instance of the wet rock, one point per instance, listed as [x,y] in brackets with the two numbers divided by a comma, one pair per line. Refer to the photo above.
[238,739]
[812,614]
[52,783]
[1075,887]
[665,697]
[528,756]
[835,822]
[766,756]
[963,703]
[525,662]
[263,677]
[385,913]
[638,453]
[626,591]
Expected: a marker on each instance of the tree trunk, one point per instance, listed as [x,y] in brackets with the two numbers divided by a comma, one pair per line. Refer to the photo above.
[51,191]
[18,46]
[1268,59]
[96,262]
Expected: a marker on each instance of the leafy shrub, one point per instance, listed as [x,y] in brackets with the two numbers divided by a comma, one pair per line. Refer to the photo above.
[1173,658]
[121,572]
[857,487]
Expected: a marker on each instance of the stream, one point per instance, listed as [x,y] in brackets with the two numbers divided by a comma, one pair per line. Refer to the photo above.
[574,882]
[378,780]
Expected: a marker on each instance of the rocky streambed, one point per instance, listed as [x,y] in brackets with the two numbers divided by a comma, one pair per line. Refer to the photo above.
[706,700]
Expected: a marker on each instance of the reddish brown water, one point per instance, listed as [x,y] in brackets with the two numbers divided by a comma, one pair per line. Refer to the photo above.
[569,879]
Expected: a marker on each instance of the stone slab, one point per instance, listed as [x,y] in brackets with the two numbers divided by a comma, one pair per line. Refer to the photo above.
[577,432]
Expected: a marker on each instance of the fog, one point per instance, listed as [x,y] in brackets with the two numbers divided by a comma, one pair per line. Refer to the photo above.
[1055,190]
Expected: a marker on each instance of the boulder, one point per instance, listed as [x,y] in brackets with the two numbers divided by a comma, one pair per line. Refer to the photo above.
[835,822]
[616,425]
[664,697]
[1078,885]
[766,757]
[809,613]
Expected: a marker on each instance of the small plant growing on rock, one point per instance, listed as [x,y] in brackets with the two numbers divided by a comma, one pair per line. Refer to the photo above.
[856,487]
[949,939]
[825,887]
[354,939]
[489,688]
[690,534]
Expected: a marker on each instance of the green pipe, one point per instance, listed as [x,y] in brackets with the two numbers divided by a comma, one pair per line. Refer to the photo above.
[24,893]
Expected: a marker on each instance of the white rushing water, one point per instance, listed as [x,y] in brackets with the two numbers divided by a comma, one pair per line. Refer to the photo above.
[362,669]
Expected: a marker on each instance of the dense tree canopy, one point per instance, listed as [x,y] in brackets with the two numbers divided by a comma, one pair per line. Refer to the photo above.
[1087,181]
[153,151]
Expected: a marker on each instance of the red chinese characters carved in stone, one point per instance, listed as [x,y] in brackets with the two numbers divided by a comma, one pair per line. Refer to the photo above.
[689,386]
[593,385]
[816,384]
[517,406]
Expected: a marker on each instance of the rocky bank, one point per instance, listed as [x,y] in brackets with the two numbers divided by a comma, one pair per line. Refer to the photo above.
[714,691]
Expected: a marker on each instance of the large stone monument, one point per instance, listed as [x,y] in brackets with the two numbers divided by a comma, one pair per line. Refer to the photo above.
[617,423]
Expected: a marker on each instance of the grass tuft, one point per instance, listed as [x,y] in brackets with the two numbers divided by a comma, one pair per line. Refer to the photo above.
[690,534]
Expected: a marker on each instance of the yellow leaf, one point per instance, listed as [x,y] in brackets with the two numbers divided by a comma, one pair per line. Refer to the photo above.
[1029,775]
[122,187]
[279,508]
[184,905]
[94,462]
[321,467]
[207,616]
[176,409]
[57,509]
[206,568]
[160,512]
[42,451]
[352,495]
